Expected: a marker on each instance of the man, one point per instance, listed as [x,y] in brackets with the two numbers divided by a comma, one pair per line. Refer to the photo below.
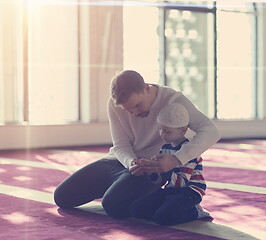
[132,110]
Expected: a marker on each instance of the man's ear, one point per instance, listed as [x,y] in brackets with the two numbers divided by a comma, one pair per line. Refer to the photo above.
[147,88]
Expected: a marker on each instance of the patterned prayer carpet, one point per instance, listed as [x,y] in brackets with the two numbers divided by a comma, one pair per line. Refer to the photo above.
[236,197]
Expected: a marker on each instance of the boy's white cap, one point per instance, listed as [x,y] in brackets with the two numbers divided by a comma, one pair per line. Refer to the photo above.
[173,115]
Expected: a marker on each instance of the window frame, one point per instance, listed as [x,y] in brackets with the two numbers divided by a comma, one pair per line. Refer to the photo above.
[212,10]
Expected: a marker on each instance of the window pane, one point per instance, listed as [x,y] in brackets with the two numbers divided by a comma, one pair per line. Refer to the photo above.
[11,61]
[189,56]
[141,41]
[236,66]
[53,64]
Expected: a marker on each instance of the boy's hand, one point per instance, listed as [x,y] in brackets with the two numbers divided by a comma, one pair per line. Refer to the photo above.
[163,163]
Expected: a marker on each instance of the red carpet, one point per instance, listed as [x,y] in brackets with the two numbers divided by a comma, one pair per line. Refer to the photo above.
[236,198]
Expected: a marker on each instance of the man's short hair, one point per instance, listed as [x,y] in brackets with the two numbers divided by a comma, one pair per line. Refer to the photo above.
[124,84]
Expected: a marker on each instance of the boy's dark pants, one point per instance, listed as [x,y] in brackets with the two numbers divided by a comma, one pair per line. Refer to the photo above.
[167,206]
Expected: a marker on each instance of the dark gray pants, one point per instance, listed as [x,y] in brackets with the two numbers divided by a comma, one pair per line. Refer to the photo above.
[107,179]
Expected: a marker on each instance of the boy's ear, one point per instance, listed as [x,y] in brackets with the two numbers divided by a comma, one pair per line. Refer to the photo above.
[185,129]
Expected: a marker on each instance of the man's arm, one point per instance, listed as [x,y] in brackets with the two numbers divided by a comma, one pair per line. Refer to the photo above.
[122,145]
[206,133]
[136,169]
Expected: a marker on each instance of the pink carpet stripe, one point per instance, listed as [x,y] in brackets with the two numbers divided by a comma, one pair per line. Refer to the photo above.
[238,176]
[34,178]
[236,159]
[66,158]
[234,208]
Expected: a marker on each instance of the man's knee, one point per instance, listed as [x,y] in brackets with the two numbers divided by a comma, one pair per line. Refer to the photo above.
[114,208]
[61,199]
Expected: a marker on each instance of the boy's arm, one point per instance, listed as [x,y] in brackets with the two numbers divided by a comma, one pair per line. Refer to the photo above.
[164,163]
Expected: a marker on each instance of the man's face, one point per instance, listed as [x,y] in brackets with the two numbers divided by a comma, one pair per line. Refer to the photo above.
[138,104]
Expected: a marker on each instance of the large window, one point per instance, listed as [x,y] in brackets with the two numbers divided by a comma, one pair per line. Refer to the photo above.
[237,64]
[200,48]
[52,78]
[197,47]
[141,44]
[39,58]
[211,55]
[189,53]
[56,62]
[57,59]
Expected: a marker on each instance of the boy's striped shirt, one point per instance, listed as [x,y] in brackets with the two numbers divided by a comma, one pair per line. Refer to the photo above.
[188,175]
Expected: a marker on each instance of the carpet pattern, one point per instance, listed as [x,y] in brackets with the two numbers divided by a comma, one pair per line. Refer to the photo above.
[236,197]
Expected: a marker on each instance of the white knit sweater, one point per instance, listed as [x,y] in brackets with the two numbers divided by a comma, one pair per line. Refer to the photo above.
[135,137]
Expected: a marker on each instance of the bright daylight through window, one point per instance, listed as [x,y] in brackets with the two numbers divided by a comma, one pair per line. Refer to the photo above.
[198,47]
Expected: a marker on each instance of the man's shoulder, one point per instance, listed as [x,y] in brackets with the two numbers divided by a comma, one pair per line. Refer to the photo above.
[169,92]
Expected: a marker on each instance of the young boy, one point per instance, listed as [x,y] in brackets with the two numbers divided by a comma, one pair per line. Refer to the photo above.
[183,187]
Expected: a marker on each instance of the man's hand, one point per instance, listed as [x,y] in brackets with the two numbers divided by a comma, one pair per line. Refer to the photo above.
[136,169]
[159,163]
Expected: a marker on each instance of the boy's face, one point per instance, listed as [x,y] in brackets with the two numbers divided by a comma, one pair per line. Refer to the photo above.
[138,104]
[169,134]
